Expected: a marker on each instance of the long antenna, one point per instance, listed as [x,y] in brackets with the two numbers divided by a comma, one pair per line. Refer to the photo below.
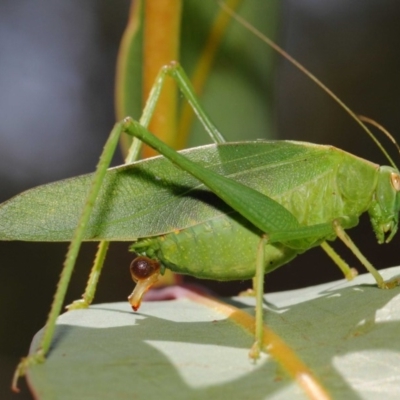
[288,57]
[381,128]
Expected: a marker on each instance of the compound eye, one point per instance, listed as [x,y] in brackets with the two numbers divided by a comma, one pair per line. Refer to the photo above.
[395,180]
[142,267]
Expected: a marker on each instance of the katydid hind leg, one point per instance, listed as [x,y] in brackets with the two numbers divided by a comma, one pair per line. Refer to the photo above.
[70,259]
[177,73]
[262,211]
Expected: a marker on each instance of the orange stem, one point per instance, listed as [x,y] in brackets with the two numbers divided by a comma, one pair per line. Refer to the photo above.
[275,346]
[161,46]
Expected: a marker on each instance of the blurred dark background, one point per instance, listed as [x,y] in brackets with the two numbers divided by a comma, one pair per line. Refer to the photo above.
[57,63]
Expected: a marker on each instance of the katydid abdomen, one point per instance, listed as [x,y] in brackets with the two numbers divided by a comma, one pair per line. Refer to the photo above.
[326,197]
[315,190]
[223,248]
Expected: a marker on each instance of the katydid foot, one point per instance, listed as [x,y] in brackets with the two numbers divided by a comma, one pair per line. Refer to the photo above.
[25,363]
[78,305]
[255,350]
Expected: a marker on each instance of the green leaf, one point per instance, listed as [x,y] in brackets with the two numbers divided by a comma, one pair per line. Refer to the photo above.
[346,332]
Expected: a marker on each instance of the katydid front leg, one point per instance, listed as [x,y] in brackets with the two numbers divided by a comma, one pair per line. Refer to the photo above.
[345,238]
[348,272]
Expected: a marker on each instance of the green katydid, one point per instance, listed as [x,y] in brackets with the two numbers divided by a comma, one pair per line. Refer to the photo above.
[351,187]
[252,211]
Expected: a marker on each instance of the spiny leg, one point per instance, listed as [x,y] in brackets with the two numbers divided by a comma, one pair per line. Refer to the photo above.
[349,273]
[176,72]
[71,257]
[259,289]
[93,280]
[344,237]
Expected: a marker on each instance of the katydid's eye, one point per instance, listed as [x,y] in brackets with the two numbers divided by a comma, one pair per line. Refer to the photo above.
[143,267]
[395,179]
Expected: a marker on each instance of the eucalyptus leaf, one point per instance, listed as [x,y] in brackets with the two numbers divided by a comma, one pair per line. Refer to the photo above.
[346,332]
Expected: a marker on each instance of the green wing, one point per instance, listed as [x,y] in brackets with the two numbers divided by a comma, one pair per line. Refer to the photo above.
[153,197]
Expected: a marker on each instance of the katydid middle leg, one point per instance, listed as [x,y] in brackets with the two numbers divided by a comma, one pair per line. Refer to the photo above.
[349,272]
[259,292]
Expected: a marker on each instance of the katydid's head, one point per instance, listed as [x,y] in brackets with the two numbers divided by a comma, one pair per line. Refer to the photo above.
[385,208]
[145,272]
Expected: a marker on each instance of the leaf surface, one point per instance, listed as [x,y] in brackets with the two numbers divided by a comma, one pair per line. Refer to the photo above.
[347,333]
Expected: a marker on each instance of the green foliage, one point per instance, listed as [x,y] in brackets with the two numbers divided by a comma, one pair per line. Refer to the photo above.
[347,333]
